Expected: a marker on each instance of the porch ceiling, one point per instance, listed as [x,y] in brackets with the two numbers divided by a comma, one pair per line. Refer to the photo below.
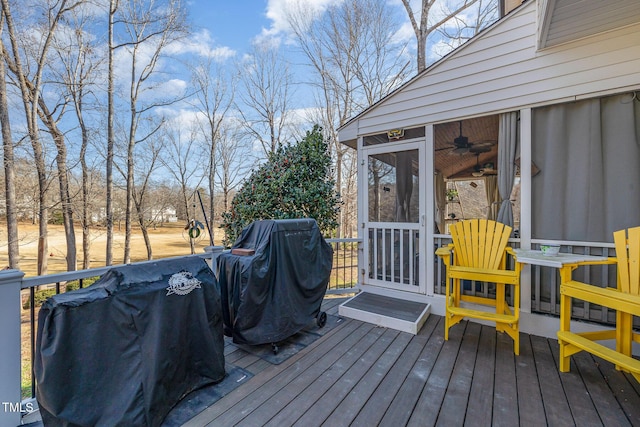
[567,20]
[480,130]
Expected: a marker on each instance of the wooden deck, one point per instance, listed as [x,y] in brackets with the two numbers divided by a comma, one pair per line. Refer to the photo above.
[362,375]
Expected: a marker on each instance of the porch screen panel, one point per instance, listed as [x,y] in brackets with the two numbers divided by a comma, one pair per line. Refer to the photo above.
[588,153]
[393,187]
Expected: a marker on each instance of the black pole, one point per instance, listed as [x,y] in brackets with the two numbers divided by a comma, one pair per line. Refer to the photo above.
[206,221]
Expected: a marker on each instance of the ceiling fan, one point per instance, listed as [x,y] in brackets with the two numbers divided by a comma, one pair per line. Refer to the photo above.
[486,169]
[461,145]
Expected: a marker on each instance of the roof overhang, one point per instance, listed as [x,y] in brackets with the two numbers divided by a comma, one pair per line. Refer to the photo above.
[563,21]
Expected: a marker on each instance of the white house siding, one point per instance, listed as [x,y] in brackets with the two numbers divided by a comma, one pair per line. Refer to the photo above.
[501,70]
[567,20]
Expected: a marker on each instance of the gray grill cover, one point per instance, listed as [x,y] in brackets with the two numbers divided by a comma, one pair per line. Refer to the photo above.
[271,295]
[125,350]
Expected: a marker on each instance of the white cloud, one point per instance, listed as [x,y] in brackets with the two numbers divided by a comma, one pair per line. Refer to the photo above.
[405,34]
[173,88]
[201,44]
[278,10]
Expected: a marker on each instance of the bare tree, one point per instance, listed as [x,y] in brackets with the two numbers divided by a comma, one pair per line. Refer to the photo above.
[77,56]
[423,29]
[267,89]
[355,62]
[9,166]
[215,92]
[35,108]
[143,208]
[462,28]
[151,26]
[14,61]
[232,152]
[113,8]
[181,160]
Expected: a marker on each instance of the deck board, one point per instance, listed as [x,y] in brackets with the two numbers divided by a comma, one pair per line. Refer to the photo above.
[530,404]
[625,394]
[345,375]
[457,393]
[556,406]
[427,408]
[310,386]
[505,393]
[481,393]
[374,409]
[403,405]
[581,403]
[358,374]
[348,409]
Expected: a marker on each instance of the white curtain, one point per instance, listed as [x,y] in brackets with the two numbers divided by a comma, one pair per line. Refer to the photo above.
[507,153]
[441,203]
[493,196]
[589,156]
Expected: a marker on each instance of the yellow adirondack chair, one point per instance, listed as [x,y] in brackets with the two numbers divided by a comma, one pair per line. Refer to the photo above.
[478,252]
[625,299]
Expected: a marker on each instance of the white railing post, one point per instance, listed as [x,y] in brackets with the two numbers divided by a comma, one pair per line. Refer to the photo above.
[214,252]
[10,400]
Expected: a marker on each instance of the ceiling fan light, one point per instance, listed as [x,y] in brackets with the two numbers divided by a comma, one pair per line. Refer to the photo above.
[461,141]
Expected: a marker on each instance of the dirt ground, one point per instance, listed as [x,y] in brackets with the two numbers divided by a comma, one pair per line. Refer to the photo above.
[166,241]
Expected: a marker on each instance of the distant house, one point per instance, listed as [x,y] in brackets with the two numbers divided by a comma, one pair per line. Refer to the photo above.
[166,214]
[547,99]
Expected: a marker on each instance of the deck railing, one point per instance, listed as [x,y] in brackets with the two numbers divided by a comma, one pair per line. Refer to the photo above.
[344,275]
[34,290]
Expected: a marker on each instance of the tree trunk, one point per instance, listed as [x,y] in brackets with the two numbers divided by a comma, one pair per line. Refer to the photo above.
[63,185]
[29,93]
[113,5]
[145,231]
[65,199]
[86,211]
[86,215]
[129,204]
[9,171]
[212,178]
[43,244]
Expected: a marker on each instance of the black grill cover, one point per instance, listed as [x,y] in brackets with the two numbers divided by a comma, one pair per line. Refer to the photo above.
[125,350]
[271,295]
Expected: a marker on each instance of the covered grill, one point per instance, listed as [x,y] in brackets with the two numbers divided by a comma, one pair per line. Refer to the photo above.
[273,281]
[125,350]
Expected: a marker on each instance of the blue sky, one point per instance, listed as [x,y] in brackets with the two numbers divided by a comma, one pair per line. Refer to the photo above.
[230,23]
[228,28]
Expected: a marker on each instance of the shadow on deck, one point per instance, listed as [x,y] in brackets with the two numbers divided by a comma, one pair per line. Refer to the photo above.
[362,375]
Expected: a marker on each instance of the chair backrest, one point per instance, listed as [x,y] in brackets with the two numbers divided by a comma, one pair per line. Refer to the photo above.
[628,256]
[479,243]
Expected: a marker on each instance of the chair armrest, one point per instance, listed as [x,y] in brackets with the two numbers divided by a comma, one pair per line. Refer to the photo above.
[608,297]
[444,250]
[605,261]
